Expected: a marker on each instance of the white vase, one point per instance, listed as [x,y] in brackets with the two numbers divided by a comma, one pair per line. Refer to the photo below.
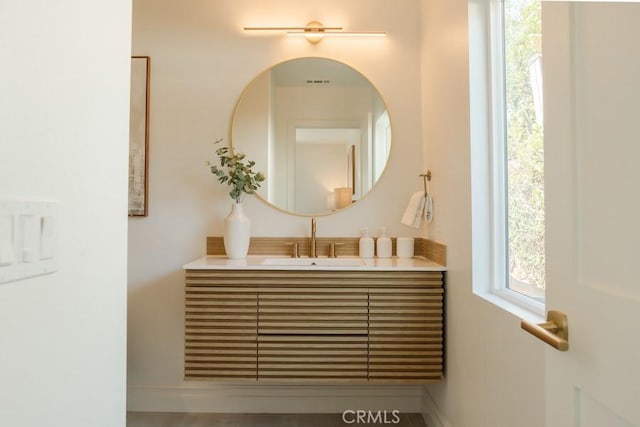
[237,233]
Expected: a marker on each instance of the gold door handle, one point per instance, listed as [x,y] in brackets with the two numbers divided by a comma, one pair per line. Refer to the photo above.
[555,331]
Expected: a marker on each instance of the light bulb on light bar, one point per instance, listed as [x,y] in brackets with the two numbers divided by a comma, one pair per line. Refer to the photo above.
[314,32]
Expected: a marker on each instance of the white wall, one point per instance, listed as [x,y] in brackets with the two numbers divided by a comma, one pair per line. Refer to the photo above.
[64,130]
[319,169]
[201,60]
[494,371]
[252,138]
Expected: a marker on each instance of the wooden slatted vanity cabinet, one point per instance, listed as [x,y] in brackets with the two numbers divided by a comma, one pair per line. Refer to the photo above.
[374,324]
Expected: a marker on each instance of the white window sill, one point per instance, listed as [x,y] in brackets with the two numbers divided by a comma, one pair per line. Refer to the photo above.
[531,311]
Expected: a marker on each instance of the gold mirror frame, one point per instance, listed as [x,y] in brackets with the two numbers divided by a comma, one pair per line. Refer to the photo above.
[360,175]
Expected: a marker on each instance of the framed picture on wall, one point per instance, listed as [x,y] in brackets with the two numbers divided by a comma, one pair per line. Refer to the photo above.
[139,137]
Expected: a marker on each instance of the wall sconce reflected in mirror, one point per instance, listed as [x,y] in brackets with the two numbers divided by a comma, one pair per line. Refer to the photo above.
[339,198]
[314,32]
[343,197]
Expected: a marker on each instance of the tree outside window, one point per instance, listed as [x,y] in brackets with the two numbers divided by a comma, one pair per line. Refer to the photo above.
[524,146]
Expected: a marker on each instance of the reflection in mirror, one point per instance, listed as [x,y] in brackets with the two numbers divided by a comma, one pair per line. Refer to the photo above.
[318,130]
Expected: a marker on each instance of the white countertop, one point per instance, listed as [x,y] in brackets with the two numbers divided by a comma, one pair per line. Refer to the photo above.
[259,262]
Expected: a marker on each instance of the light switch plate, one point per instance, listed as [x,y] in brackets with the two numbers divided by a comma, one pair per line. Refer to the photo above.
[7,244]
[47,237]
[28,238]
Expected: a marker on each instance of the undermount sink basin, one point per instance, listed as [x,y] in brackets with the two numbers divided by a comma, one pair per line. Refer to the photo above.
[310,262]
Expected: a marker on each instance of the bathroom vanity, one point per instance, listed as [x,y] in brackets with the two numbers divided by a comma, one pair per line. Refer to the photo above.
[274,317]
[278,319]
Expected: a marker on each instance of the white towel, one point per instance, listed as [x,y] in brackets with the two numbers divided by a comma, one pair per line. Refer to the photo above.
[415,208]
[428,209]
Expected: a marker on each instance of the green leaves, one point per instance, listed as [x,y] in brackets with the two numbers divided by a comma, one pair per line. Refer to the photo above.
[525,151]
[236,173]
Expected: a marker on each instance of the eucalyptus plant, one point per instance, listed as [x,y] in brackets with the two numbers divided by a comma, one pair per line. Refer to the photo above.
[236,172]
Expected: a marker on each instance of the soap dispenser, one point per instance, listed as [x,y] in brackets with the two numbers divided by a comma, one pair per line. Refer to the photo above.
[383,244]
[366,244]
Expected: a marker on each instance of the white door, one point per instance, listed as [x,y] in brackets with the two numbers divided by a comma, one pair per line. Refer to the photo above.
[591,62]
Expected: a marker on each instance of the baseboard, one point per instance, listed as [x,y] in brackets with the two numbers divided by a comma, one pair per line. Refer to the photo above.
[234,398]
[432,415]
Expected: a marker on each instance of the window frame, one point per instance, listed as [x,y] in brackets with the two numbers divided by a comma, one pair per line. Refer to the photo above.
[489,161]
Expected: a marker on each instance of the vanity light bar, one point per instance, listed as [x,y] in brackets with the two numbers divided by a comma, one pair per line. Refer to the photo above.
[314,32]
[338,33]
[307,27]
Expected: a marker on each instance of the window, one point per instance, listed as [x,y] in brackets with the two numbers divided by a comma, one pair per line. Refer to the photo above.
[524,146]
[507,150]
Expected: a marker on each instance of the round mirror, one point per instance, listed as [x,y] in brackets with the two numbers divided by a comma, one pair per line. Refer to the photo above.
[318,130]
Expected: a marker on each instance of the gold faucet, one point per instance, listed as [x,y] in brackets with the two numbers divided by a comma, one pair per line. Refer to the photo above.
[312,243]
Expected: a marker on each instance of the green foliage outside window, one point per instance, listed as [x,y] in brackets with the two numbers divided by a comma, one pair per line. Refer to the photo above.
[525,155]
